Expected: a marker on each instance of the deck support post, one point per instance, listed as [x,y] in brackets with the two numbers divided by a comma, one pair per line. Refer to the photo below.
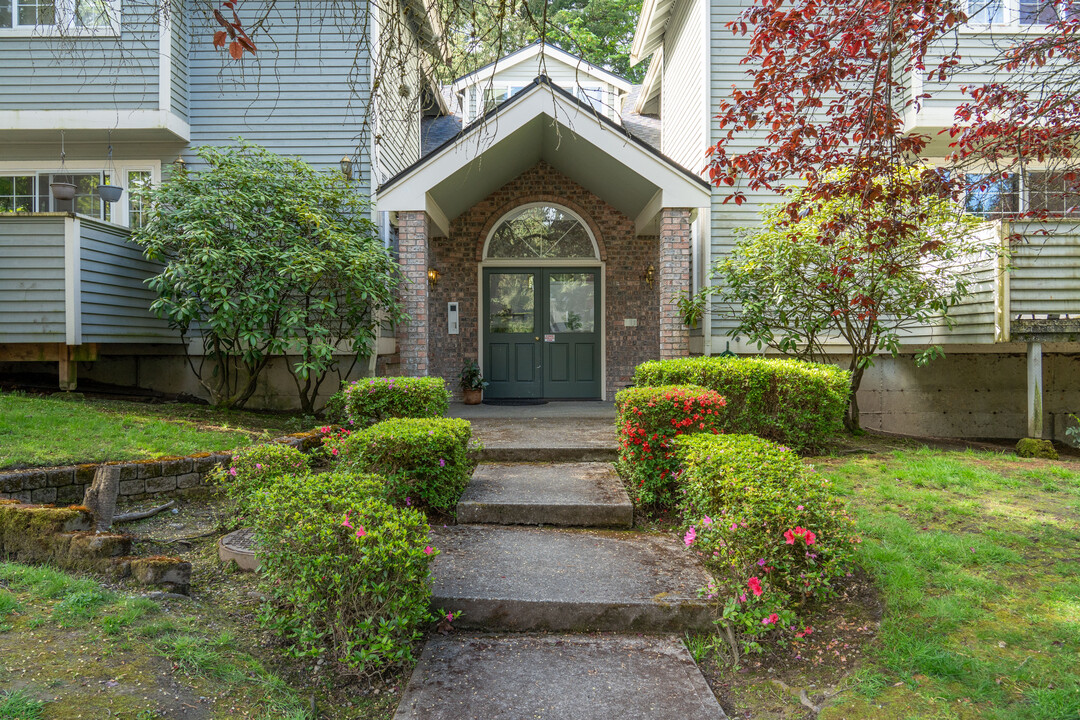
[69,368]
[1034,390]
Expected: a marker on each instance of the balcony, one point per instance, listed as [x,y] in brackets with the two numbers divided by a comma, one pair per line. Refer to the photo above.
[69,284]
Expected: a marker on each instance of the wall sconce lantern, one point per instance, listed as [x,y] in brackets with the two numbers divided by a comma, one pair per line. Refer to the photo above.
[433,276]
[179,163]
[649,276]
[346,166]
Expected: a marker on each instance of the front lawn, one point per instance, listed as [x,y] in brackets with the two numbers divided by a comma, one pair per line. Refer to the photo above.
[969,607]
[38,431]
[976,554]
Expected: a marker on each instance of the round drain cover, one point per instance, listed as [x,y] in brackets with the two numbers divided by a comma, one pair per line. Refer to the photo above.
[239,546]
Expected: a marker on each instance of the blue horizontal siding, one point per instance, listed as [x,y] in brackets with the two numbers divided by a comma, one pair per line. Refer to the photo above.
[32,280]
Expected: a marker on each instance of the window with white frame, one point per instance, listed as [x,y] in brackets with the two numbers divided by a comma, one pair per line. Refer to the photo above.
[1018,12]
[1037,191]
[29,191]
[59,16]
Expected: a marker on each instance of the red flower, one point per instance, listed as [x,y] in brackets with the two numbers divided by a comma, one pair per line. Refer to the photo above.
[755,586]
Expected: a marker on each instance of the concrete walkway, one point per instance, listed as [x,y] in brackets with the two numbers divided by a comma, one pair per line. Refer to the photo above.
[506,577]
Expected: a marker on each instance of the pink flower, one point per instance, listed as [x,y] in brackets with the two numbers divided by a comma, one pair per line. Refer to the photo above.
[345,522]
[790,537]
[755,586]
[733,527]
[442,463]
[428,550]
[450,617]
[761,562]
[361,532]
[799,508]
[258,466]
[742,598]
[706,521]
[690,536]
[771,619]
[232,471]
[334,451]
[408,502]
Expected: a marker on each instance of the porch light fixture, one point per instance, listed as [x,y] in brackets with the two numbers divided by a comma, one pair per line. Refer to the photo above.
[433,276]
[179,163]
[649,276]
[346,166]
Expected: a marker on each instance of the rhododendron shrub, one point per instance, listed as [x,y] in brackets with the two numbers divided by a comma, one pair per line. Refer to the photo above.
[770,530]
[647,419]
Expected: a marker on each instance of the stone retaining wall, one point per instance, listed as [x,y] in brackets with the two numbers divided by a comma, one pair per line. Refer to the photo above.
[139,479]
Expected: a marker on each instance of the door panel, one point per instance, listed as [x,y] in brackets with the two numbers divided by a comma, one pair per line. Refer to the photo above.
[571,314]
[511,357]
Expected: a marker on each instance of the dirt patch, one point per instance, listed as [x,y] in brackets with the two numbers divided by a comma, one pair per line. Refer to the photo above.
[769,684]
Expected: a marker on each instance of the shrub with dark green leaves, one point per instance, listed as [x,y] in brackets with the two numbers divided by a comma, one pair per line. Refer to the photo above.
[799,404]
[647,419]
[348,573]
[768,527]
[254,468]
[373,399]
[423,460]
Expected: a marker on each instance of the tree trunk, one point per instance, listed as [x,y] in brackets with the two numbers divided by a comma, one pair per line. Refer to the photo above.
[851,418]
[100,497]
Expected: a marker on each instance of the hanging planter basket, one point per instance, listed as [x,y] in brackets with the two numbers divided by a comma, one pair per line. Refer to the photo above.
[62,190]
[110,193]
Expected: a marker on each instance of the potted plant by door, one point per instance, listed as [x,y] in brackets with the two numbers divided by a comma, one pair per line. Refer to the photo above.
[472,383]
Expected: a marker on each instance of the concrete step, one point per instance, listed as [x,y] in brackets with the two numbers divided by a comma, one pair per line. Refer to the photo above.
[571,494]
[479,677]
[545,439]
[516,578]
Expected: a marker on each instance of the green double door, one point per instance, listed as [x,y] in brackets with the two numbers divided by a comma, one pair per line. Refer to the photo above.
[542,332]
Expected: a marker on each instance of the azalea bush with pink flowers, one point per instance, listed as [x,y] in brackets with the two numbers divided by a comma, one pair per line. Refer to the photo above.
[347,573]
[370,400]
[254,468]
[425,461]
[770,529]
[647,420]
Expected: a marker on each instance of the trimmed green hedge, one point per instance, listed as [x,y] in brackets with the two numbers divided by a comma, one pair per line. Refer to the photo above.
[423,460]
[348,573]
[769,528]
[253,469]
[799,404]
[373,399]
[647,419]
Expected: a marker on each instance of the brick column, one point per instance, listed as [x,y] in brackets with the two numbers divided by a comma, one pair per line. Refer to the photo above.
[412,335]
[674,279]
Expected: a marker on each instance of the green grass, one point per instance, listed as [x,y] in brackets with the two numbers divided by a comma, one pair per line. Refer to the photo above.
[976,556]
[18,705]
[36,431]
[70,633]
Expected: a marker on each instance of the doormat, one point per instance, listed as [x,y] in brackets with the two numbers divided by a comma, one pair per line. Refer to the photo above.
[513,403]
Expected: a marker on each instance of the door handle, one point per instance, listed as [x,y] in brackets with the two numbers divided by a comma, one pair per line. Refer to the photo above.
[537,338]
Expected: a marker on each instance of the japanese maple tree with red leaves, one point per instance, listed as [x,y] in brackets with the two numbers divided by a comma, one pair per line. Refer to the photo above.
[233,34]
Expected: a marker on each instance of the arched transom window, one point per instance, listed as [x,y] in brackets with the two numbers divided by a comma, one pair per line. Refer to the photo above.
[540,231]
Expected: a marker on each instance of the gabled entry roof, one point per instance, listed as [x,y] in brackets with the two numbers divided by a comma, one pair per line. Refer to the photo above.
[544,122]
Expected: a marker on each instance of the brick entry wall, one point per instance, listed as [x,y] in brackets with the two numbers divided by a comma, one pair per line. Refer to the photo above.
[627,256]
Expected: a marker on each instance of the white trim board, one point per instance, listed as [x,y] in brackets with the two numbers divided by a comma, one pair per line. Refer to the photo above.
[115,120]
